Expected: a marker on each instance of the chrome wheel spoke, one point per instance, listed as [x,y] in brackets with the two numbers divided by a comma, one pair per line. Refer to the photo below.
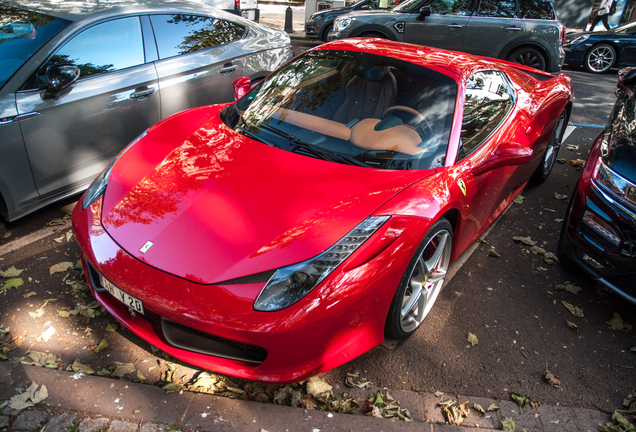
[433,262]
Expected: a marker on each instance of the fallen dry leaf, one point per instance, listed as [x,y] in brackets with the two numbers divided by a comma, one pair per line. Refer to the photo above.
[525,240]
[572,326]
[472,339]
[103,344]
[551,378]
[11,272]
[574,310]
[478,408]
[316,386]
[518,199]
[60,267]
[577,163]
[492,252]
[31,294]
[617,323]
[508,425]
[559,196]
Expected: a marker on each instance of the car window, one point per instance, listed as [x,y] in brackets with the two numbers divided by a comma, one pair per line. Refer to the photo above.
[536,9]
[353,108]
[182,34]
[497,8]
[103,48]
[450,7]
[489,99]
[22,33]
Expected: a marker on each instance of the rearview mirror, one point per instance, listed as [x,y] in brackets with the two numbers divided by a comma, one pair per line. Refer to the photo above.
[61,76]
[507,154]
[424,12]
[241,86]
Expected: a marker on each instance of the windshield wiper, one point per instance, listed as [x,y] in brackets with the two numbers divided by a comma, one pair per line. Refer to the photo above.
[313,150]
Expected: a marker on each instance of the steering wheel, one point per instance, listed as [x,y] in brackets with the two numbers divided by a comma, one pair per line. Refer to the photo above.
[420,120]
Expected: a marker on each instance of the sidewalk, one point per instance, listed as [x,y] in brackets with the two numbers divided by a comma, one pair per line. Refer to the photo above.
[87,403]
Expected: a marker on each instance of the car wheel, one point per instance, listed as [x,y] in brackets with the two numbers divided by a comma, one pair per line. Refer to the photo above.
[561,254]
[422,282]
[551,152]
[326,31]
[528,56]
[600,58]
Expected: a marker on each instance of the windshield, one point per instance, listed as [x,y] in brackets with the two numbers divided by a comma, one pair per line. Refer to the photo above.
[629,28]
[353,108]
[22,33]
[408,6]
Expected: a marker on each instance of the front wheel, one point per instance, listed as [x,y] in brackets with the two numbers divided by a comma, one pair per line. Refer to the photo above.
[528,56]
[422,282]
[325,32]
[600,58]
[551,152]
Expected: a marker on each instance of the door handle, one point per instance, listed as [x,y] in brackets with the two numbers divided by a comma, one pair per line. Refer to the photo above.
[227,69]
[454,26]
[514,29]
[142,93]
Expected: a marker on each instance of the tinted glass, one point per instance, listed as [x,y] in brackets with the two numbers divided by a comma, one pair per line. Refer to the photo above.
[22,33]
[103,48]
[182,34]
[489,99]
[536,9]
[497,8]
[450,7]
[353,108]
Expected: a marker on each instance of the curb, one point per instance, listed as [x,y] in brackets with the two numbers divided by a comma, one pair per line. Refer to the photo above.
[127,406]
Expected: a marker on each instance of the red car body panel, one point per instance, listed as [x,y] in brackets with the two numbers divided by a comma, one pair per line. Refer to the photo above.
[219,206]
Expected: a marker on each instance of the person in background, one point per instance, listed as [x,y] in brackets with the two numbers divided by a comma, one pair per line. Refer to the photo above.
[602,14]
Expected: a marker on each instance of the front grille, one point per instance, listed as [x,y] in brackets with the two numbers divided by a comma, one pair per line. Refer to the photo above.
[190,339]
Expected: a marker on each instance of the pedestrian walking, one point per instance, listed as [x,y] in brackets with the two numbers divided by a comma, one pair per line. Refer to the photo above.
[603,13]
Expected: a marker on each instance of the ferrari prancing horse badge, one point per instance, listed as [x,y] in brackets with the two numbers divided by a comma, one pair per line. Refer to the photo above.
[462,186]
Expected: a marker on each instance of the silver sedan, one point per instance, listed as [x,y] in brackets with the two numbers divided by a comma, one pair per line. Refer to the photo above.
[79,81]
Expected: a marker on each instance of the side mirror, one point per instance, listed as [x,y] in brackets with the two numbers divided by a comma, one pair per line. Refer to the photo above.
[507,154]
[61,76]
[241,86]
[424,12]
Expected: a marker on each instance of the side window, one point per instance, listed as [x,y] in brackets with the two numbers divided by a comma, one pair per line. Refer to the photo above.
[450,7]
[103,48]
[183,34]
[489,99]
[497,8]
[537,9]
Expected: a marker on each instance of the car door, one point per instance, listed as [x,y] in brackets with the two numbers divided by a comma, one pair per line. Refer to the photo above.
[493,24]
[70,137]
[197,62]
[444,28]
[489,100]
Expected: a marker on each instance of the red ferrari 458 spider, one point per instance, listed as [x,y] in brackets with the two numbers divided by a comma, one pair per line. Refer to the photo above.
[287,233]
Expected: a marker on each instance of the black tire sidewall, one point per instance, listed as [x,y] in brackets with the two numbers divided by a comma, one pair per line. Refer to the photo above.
[539,176]
[392,328]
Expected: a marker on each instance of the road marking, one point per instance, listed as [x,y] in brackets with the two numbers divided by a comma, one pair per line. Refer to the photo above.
[32,238]
[588,125]
[568,131]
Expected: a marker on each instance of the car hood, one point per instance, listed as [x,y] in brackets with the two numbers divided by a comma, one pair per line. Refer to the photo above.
[597,34]
[217,205]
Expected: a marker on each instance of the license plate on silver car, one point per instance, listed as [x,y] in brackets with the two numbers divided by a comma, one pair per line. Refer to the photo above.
[133,303]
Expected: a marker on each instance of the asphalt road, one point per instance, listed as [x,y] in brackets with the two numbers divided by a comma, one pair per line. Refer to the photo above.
[509,302]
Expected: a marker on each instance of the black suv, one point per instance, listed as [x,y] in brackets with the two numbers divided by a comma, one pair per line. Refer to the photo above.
[523,31]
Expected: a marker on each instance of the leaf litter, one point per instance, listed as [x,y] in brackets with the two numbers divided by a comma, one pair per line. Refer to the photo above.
[571,288]
[29,398]
[617,323]
[574,310]
[455,415]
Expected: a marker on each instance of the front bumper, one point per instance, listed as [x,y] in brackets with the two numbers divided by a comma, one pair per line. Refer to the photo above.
[613,266]
[575,54]
[339,320]
[312,29]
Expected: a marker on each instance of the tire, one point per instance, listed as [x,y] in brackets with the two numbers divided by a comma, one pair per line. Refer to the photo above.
[326,31]
[414,299]
[528,56]
[600,58]
[551,152]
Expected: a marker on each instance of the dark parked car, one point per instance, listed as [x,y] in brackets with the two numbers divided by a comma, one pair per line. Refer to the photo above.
[320,23]
[79,81]
[599,231]
[600,51]
[522,31]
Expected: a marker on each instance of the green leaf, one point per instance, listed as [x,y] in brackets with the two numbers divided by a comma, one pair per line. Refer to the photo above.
[518,200]
[103,344]
[525,240]
[537,250]
[12,283]
[617,323]
[520,400]
[112,327]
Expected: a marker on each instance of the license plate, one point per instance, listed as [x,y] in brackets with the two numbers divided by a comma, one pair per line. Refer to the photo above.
[132,302]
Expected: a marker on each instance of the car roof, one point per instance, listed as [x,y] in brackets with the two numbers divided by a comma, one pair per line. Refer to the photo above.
[77,11]
[461,64]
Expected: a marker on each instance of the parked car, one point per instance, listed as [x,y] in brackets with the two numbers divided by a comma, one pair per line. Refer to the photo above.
[598,52]
[599,230]
[319,213]
[78,81]
[245,8]
[522,31]
[320,23]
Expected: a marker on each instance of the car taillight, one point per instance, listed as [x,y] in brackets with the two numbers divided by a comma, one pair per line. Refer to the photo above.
[237,4]
[292,49]
[562,34]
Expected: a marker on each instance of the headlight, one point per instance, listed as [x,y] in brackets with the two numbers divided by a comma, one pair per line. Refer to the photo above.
[618,186]
[342,23]
[290,284]
[97,188]
[577,40]
[316,17]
